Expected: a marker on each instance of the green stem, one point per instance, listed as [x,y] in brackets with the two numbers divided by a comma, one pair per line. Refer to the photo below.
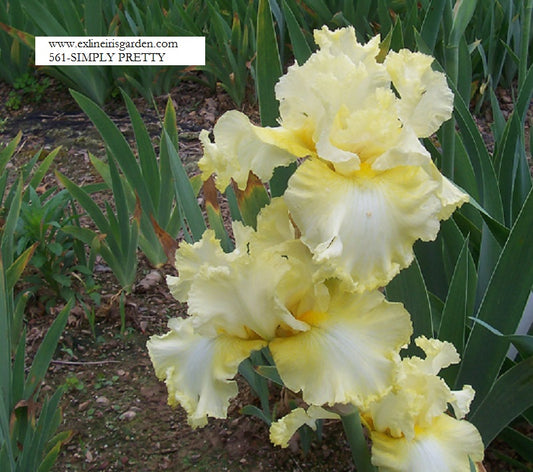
[122,310]
[357,441]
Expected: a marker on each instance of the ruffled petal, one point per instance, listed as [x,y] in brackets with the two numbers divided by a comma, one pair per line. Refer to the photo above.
[418,395]
[363,226]
[190,258]
[412,402]
[241,299]
[274,227]
[426,101]
[237,150]
[341,72]
[198,370]
[439,355]
[443,447]
[348,353]
[282,430]
[451,198]
[343,41]
[462,400]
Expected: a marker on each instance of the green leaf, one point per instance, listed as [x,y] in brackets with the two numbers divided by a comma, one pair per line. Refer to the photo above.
[8,151]
[524,96]
[484,355]
[147,157]
[280,179]
[507,158]
[15,270]
[409,288]
[252,200]
[43,168]
[6,239]
[268,68]
[85,235]
[432,23]
[46,350]
[498,230]
[454,315]
[258,383]
[301,48]
[252,410]
[119,147]
[519,442]
[522,342]
[480,159]
[463,11]
[184,191]
[508,398]
[86,202]
[122,234]
[270,372]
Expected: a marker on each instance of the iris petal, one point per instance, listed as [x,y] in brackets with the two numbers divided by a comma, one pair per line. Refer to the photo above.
[363,226]
[237,150]
[426,101]
[282,430]
[197,369]
[443,447]
[348,354]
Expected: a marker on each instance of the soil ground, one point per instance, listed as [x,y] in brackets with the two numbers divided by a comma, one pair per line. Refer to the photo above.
[113,404]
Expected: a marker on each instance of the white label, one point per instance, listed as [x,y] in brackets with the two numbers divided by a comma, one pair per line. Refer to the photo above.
[120,50]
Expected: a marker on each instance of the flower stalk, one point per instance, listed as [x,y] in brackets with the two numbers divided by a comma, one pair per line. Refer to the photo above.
[353,429]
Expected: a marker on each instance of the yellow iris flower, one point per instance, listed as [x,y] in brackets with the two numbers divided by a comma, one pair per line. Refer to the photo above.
[409,427]
[333,346]
[369,188]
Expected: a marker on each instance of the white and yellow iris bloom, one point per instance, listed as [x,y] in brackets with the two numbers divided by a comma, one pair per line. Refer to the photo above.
[333,346]
[369,189]
[409,427]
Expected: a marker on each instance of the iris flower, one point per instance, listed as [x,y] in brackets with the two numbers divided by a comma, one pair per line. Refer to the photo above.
[333,346]
[366,188]
[409,427]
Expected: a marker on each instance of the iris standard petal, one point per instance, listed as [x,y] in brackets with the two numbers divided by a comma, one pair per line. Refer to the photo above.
[341,72]
[241,300]
[444,446]
[363,226]
[348,353]
[426,101]
[197,369]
